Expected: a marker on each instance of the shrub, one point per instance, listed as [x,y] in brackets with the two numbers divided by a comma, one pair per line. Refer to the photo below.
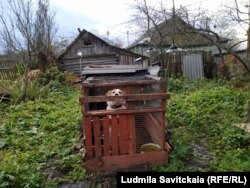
[35,91]
[211,109]
[37,88]
[53,74]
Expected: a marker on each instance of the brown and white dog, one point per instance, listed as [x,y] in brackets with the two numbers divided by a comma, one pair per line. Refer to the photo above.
[116,104]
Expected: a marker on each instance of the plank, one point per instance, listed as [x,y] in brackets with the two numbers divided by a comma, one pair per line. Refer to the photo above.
[114,135]
[123,138]
[121,111]
[107,136]
[97,136]
[129,97]
[125,83]
[131,138]
[88,136]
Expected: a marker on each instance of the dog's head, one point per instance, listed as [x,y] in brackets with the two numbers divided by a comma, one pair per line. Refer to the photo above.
[115,92]
[117,103]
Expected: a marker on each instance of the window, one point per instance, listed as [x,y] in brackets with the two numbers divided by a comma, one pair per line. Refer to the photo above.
[87,42]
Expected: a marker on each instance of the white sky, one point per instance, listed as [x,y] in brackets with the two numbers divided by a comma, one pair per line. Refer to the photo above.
[100,16]
[103,15]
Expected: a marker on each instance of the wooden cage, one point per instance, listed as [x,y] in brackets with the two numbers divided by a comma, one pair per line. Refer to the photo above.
[113,138]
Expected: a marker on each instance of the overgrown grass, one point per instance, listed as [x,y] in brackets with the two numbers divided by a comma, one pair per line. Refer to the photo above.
[38,139]
[37,88]
[38,135]
[209,110]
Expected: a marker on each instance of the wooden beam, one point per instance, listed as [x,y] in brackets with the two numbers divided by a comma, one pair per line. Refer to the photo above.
[130,97]
[129,82]
[125,111]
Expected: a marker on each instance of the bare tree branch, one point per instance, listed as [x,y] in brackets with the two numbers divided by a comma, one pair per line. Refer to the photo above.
[28,32]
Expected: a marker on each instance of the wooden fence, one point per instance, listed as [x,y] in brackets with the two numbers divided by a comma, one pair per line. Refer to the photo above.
[8,69]
[173,62]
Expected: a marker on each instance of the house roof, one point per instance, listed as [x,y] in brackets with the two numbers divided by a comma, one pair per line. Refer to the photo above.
[177,27]
[85,31]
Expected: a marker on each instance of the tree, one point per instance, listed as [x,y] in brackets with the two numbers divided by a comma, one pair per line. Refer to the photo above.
[148,18]
[221,22]
[201,22]
[28,33]
[45,32]
[239,13]
[215,29]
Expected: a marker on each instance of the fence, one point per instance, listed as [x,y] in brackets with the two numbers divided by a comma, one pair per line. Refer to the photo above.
[189,63]
[8,69]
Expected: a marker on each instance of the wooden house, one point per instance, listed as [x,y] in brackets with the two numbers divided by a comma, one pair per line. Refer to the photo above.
[185,37]
[89,49]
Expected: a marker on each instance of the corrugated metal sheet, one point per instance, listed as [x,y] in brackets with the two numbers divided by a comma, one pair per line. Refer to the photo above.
[193,66]
[112,69]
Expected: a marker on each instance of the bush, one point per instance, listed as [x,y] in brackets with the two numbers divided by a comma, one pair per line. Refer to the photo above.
[53,74]
[35,91]
[39,87]
[211,109]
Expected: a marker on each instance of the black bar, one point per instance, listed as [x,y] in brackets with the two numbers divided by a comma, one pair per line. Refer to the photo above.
[173,179]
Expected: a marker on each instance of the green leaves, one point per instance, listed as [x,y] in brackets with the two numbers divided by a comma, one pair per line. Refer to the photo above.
[207,109]
[3,143]
[34,132]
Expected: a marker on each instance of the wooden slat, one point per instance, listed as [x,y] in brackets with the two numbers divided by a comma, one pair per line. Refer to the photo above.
[163,117]
[114,133]
[120,111]
[131,139]
[123,137]
[86,92]
[131,97]
[107,136]
[97,135]
[88,136]
[132,82]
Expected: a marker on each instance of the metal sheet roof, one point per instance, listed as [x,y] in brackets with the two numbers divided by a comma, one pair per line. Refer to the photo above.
[113,69]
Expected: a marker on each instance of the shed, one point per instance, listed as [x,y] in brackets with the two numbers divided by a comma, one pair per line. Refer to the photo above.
[89,49]
[185,36]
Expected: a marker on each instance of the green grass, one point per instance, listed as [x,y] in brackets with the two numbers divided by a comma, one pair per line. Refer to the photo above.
[207,110]
[38,137]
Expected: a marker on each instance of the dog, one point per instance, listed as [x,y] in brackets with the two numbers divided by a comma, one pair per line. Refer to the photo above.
[118,103]
[114,105]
